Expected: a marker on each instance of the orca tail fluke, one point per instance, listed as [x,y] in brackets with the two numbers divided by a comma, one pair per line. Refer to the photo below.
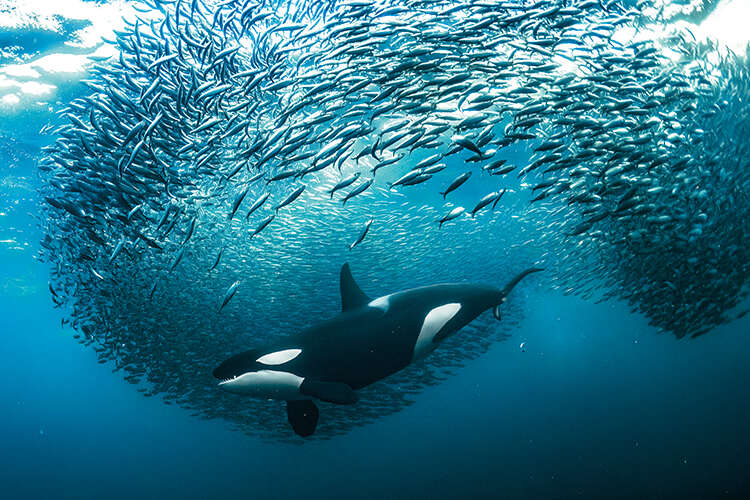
[509,287]
[302,416]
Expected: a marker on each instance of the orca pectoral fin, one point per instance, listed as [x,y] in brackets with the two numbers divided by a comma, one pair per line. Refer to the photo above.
[302,416]
[331,392]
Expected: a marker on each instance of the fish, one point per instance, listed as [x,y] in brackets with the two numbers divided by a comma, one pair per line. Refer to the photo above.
[616,154]
[229,294]
[218,259]
[237,202]
[345,182]
[262,225]
[453,214]
[467,143]
[290,198]
[493,198]
[362,234]
[456,183]
[257,204]
[358,190]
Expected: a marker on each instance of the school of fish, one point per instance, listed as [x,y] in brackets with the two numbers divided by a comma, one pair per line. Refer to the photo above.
[216,173]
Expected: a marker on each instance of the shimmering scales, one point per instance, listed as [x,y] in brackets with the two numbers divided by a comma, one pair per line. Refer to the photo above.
[197,187]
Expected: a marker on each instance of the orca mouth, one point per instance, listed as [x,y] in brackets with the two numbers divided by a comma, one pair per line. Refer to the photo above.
[236,366]
[226,373]
[228,379]
[225,376]
[231,377]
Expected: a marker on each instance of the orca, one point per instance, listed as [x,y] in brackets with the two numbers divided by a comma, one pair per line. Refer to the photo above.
[369,340]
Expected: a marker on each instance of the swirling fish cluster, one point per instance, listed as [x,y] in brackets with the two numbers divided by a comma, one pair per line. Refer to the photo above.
[193,195]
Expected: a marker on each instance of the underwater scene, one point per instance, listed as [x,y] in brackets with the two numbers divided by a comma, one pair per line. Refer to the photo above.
[375,249]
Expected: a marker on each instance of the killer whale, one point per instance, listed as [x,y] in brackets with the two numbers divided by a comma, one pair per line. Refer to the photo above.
[369,340]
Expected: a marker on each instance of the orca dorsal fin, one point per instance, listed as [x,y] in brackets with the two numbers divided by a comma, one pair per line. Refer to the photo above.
[352,295]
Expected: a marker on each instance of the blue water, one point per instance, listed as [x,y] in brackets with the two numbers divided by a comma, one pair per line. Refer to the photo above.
[597,406]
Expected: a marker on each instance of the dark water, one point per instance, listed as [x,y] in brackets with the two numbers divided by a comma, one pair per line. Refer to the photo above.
[597,406]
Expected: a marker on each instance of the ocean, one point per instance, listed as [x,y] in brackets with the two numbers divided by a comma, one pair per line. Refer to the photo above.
[569,395]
